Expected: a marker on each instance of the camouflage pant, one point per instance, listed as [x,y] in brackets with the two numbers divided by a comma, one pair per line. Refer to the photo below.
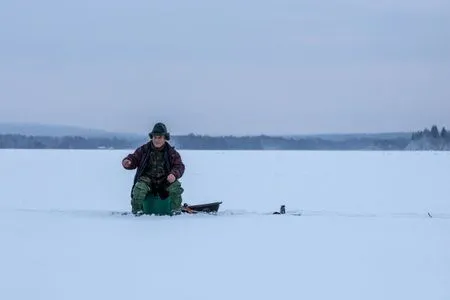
[142,188]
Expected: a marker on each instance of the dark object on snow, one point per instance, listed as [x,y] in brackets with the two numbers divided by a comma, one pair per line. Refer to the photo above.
[282,210]
[203,208]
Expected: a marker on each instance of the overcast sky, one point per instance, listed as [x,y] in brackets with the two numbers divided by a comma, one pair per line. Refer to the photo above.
[227,67]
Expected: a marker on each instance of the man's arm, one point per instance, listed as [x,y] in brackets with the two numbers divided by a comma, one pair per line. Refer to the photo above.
[133,158]
[177,165]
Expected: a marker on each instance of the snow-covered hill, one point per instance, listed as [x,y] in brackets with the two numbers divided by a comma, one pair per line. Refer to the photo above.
[36,129]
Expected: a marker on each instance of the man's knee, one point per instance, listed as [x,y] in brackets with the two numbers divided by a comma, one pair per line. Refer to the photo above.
[175,188]
[140,190]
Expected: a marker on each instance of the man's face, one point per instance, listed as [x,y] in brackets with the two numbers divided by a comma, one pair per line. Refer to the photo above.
[158,140]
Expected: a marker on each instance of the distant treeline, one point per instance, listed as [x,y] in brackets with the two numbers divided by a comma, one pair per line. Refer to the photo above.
[430,139]
[433,133]
[427,139]
[202,142]
[263,142]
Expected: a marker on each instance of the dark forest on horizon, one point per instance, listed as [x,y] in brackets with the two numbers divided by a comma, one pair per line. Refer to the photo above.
[205,142]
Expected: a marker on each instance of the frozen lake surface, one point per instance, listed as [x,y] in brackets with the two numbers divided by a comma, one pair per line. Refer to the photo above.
[365,230]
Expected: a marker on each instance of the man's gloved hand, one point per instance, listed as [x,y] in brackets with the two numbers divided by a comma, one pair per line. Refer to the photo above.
[126,163]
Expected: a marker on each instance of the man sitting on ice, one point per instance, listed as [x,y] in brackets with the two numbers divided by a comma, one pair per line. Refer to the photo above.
[159,166]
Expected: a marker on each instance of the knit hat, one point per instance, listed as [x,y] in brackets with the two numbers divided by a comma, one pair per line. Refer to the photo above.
[160,129]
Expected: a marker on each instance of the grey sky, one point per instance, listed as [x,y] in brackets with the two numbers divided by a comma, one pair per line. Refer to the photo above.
[238,67]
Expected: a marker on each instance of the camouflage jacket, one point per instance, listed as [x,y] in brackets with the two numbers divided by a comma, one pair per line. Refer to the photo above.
[141,156]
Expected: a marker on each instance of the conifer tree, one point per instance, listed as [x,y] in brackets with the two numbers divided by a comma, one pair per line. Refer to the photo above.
[435,132]
[444,133]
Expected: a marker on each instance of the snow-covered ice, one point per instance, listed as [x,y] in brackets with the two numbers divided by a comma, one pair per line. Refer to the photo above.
[365,232]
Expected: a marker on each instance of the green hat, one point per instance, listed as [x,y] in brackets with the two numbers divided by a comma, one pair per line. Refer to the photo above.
[160,129]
